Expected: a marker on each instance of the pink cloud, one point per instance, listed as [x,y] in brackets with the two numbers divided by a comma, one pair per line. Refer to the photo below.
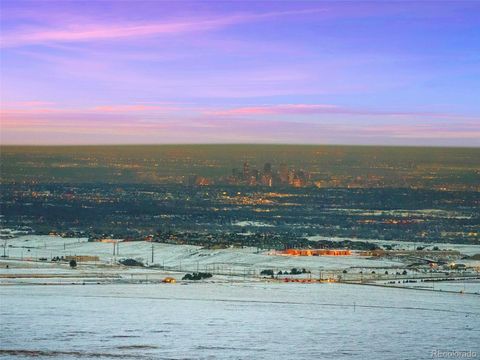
[133,108]
[29,110]
[142,123]
[131,130]
[276,110]
[9,112]
[100,31]
[41,108]
[27,104]
[311,109]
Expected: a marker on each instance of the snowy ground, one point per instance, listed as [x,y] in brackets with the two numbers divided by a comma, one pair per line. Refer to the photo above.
[109,311]
[407,245]
[181,257]
[234,321]
[28,262]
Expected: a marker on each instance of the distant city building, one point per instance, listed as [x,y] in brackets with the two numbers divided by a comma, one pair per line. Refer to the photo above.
[252,177]
[267,168]
[246,170]
[267,180]
[195,180]
[284,173]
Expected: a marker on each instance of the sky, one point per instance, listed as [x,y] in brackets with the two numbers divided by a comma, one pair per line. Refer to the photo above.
[313,72]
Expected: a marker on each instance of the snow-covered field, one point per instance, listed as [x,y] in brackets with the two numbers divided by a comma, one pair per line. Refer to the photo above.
[181,257]
[108,311]
[234,321]
[408,245]
[28,262]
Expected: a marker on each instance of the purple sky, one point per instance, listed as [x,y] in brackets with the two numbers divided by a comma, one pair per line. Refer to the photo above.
[99,72]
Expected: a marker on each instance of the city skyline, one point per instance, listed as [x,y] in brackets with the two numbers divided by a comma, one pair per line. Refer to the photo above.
[369,73]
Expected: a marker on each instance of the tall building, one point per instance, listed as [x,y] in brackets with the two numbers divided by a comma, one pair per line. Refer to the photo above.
[246,170]
[283,173]
[267,180]
[267,168]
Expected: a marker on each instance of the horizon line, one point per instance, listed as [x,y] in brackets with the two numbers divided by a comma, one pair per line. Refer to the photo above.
[239,144]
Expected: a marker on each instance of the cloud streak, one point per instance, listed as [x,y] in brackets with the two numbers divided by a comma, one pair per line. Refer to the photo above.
[117,31]
[42,108]
[165,123]
[304,72]
[319,109]
[133,108]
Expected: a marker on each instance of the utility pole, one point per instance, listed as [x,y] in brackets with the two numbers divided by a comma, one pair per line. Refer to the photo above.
[152,252]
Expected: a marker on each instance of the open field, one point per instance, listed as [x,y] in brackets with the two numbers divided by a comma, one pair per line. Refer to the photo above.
[29,257]
[233,321]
